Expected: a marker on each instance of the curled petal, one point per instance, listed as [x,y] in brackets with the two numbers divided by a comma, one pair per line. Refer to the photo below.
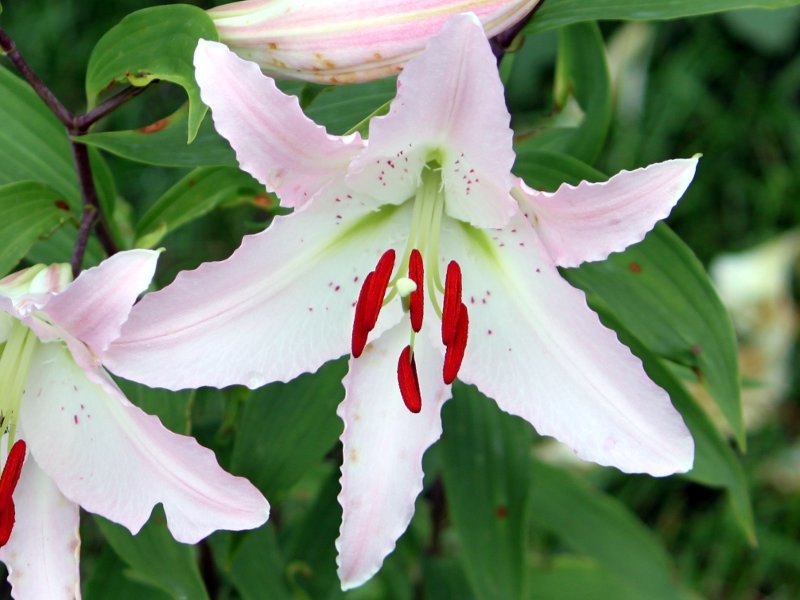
[589,221]
[274,141]
[117,461]
[43,552]
[281,305]
[383,447]
[94,306]
[542,354]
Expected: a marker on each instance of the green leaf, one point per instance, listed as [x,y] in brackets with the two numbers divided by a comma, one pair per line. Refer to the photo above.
[195,195]
[485,457]
[582,78]
[59,246]
[172,408]
[546,170]
[602,528]
[109,579]
[576,578]
[164,143]
[558,13]
[310,543]
[582,72]
[340,108]
[660,292]
[286,428]
[29,211]
[257,570]
[34,147]
[151,44]
[155,558]
[443,577]
[33,143]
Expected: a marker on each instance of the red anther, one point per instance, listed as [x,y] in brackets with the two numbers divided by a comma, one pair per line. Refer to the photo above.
[408,381]
[360,328]
[383,272]
[452,300]
[8,482]
[416,301]
[455,351]
[370,301]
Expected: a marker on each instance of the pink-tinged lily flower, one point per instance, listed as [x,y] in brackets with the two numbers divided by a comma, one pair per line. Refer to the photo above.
[86,444]
[347,41]
[412,253]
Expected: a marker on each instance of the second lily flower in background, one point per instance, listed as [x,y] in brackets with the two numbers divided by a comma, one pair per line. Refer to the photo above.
[70,438]
[347,41]
[419,254]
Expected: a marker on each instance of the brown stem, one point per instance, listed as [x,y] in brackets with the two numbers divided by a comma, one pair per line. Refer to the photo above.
[84,122]
[92,215]
[503,40]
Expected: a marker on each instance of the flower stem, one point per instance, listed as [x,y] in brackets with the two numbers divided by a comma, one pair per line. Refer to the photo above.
[76,126]
[85,121]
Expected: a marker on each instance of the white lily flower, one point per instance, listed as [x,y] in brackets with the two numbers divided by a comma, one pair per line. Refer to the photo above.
[429,194]
[88,445]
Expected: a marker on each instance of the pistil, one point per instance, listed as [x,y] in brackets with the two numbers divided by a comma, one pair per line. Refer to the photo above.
[15,361]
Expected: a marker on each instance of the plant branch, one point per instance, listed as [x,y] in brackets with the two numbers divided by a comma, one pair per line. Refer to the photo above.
[503,40]
[10,50]
[85,121]
[92,213]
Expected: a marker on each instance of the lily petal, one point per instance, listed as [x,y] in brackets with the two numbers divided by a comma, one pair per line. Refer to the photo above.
[94,307]
[274,141]
[449,108]
[542,354]
[117,461]
[589,221]
[383,447]
[281,305]
[43,552]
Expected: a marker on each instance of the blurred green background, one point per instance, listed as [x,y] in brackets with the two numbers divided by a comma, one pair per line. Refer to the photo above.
[727,86]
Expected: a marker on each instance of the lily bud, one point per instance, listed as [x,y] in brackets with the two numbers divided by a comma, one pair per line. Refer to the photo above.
[347,41]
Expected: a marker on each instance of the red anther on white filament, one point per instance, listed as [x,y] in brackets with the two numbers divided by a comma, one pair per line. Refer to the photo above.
[455,323]
[370,301]
[8,483]
[408,381]
[455,351]
[416,301]
[452,302]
